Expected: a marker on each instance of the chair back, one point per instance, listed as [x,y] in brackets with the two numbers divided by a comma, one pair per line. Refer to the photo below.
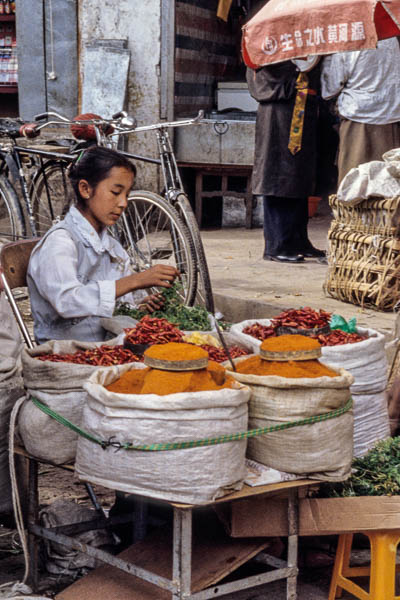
[14,260]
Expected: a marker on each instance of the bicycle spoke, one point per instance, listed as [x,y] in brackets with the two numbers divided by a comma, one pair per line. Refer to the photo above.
[152,233]
[51,195]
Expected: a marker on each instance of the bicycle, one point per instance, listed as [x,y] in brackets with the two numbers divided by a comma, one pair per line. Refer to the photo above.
[152,227]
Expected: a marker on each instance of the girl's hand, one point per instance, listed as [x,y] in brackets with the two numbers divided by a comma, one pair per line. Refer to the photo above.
[152,303]
[159,276]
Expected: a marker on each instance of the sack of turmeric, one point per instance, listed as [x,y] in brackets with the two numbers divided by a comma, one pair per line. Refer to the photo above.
[321,450]
[190,475]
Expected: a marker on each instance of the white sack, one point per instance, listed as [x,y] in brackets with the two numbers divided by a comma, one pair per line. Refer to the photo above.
[193,475]
[366,361]
[10,338]
[322,450]
[59,385]
[11,389]
[369,180]
[371,421]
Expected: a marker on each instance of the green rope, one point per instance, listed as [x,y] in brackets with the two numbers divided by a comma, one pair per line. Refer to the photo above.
[222,439]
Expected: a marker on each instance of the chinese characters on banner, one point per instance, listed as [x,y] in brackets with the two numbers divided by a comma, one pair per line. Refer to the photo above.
[313,38]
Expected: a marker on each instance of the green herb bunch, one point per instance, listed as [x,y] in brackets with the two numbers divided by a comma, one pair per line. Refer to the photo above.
[377,473]
[188,318]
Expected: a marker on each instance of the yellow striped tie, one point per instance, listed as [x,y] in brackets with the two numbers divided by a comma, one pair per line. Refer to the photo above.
[296,126]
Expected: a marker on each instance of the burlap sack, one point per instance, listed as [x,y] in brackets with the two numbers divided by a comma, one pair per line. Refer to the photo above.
[192,475]
[321,450]
[59,385]
[11,389]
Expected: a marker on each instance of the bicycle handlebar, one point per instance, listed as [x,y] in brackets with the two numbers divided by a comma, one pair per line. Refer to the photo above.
[117,121]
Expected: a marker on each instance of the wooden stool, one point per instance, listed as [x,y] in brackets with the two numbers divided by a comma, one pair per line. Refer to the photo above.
[381,571]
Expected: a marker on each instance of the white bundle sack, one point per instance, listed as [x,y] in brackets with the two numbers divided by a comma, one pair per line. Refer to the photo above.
[59,385]
[11,389]
[248,340]
[367,362]
[371,421]
[192,475]
[322,450]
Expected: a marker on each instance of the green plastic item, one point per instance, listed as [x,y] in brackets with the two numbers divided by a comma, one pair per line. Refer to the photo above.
[339,322]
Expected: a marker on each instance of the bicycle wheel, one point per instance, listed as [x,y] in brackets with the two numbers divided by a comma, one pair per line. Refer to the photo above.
[152,233]
[51,194]
[12,226]
[204,294]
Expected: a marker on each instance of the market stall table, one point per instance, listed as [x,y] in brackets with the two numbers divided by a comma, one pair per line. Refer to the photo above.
[154,568]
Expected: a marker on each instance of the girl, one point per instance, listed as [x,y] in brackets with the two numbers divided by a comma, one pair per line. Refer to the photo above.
[77,270]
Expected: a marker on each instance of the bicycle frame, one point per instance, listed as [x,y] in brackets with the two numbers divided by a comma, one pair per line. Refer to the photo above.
[11,157]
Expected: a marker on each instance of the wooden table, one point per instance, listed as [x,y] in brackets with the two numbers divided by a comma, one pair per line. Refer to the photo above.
[225,172]
[169,564]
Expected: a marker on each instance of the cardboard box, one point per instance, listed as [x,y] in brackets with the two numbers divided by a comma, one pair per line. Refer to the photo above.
[267,516]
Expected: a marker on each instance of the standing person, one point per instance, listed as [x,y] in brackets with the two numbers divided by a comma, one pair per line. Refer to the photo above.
[367,86]
[77,270]
[285,157]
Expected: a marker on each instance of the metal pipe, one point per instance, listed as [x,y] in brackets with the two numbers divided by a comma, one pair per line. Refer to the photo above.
[105,557]
[16,312]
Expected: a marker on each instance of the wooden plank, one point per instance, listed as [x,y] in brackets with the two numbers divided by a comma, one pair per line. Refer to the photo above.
[215,555]
[256,490]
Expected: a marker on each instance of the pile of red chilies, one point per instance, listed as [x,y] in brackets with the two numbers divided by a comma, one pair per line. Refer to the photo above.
[153,331]
[219,355]
[337,337]
[104,356]
[302,318]
[260,332]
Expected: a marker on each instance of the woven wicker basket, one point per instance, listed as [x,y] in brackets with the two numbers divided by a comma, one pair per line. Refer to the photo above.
[364,253]
[380,216]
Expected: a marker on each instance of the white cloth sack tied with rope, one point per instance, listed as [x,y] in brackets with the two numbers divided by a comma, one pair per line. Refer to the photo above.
[367,362]
[321,450]
[190,475]
[375,179]
[59,385]
[11,388]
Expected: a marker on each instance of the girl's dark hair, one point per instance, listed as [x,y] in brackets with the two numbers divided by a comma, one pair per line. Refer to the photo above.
[94,165]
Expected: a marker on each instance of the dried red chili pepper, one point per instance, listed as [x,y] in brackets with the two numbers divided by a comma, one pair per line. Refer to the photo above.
[219,355]
[101,356]
[260,332]
[337,337]
[153,331]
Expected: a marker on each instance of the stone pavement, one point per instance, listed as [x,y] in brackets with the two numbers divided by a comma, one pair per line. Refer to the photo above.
[256,288]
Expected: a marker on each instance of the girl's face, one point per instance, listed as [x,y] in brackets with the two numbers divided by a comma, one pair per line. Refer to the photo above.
[106,203]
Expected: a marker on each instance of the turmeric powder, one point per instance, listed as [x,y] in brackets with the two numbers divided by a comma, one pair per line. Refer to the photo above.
[255,365]
[129,383]
[162,383]
[176,351]
[289,343]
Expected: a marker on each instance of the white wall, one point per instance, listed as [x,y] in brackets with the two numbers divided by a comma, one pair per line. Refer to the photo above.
[139,22]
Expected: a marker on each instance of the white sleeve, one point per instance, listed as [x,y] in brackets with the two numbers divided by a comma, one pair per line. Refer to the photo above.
[54,270]
[333,75]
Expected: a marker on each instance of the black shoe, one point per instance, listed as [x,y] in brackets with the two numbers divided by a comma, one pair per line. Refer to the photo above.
[312,252]
[290,258]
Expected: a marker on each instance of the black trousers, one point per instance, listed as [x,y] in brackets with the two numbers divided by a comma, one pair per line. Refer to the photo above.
[285,225]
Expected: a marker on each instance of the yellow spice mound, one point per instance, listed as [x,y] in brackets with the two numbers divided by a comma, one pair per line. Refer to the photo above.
[289,343]
[176,351]
[255,365]
[162,383]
